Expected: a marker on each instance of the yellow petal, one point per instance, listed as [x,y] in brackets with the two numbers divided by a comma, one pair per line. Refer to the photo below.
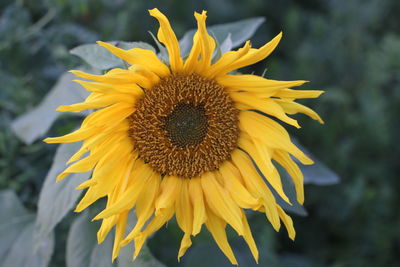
[102,150]
[192,60]
[246,57]
[226,60]
[237,191]
[106,174]
[112,197]
[76,136]
[110,88]
[97,142]
[145,205]
[287,221]
[155,224]
[220,202]
[138,69]
[170,190]
[283,158]
[91,196]
[111,117]
[105,228]
[207,43]
[139,56]
[185,244]
[255,84]
[119,233]
[86,184]
[115,76]
[297,94]
[256,186]
[167,36]
[265,165]
[216,226]
[99,102]
[88,144]
[128,198]
[268,106]
[184,216]
[248,237]
[259,151]
[139,242]
[84,165]
[183,207]
[255,55]
[108,223]
[271,133]
[197,200]
[291,107]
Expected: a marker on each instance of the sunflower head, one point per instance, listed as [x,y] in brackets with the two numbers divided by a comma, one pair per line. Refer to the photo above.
[187,138]
[185,126]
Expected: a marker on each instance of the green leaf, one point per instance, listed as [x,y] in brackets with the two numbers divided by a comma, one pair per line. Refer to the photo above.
[227,44]
[144,259]
[317,173]
[101,254]
[82,247]
[240,31]
[24,251]
[96,56]
[57,198]
[35,123]
[16,235]
[100,58]
[130,45]
[11,208]
[13,218]
[81,241]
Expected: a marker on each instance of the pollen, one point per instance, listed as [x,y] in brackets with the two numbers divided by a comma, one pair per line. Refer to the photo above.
[184,126]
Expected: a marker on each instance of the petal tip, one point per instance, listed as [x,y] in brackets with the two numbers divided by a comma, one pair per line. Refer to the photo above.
[278,37]
[78,209]
[61,176]
[62,108]
[50,140]
[96,218]
[292,235]
[153,12]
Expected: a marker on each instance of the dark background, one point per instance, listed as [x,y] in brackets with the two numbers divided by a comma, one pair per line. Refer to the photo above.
[350,49]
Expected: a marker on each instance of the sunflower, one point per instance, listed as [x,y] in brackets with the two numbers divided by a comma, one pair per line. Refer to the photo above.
[186,138]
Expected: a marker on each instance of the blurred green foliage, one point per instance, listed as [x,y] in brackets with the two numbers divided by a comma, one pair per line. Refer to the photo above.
[351,49]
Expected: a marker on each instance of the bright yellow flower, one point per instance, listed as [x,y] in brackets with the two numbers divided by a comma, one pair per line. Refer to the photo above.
[186,139]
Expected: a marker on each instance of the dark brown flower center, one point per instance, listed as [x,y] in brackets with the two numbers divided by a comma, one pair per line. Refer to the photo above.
[185,125]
